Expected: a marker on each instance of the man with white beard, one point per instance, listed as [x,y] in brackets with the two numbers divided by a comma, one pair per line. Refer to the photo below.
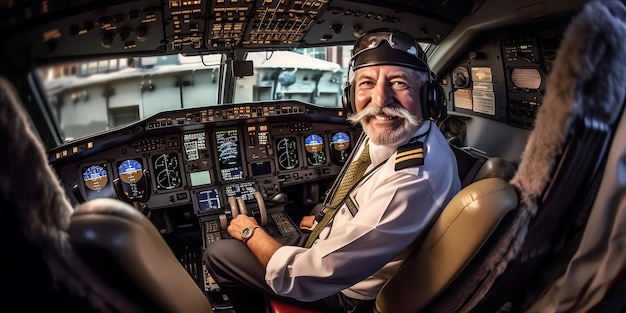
[406,174]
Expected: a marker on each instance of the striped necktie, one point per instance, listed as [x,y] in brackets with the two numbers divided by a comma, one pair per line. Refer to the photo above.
[353,173]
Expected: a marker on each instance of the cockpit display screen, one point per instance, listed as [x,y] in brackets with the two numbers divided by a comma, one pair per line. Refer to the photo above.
[97,182]
[261,168]
[132,178]
[200,178]
[167,171]
[340,147]
[194,145]
[229,159]
[209,200]
[287,153]
[243,191]
[314,147]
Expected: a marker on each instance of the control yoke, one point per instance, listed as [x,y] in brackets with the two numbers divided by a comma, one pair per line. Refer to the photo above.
[139,202]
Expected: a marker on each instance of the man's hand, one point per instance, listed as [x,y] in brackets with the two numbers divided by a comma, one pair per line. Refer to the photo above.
[261,244]
[238,224]
[307,222]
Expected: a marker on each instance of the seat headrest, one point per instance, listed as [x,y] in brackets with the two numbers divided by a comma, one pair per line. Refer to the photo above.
[108,230]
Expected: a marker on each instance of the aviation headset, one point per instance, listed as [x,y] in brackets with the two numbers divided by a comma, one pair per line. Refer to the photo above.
[391,47]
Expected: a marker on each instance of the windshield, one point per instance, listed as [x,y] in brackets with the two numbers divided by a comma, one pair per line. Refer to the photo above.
[87,97]
[91,96]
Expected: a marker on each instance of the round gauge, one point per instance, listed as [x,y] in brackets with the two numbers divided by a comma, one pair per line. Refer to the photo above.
[95,177]
[287,152]
[460,77]
[314,143]
[130,171]
[314,146]
[526,78]
[340,143]
[167,171]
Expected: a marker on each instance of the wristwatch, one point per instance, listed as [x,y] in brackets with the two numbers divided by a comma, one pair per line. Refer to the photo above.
[247,232]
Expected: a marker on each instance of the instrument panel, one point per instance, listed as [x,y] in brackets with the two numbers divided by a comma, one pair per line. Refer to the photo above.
[208,161]
[505,78]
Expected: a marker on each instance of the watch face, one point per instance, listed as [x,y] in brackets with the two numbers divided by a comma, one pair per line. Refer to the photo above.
[247,232]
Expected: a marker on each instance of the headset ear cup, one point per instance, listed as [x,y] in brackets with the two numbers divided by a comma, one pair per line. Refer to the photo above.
[439,102]
[346,99]
[433,102]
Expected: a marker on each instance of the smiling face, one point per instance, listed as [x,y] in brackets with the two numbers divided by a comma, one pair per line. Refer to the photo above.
[387,101]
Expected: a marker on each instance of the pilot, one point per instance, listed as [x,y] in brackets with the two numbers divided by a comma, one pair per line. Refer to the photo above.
[406,174]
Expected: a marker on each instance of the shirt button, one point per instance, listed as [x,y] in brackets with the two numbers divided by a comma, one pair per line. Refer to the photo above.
[343,210]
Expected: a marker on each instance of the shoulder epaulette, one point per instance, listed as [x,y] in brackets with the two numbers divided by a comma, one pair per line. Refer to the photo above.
[409,155]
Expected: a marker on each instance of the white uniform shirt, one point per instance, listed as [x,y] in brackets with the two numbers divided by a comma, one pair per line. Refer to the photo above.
[357,255]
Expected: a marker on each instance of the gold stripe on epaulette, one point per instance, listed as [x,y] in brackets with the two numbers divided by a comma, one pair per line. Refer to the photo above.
[402,154]
[409,157]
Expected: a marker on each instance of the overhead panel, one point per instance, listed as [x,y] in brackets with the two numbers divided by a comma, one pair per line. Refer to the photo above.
[185,25]
[45,30]
[227,22]
[260,23]
[49,30]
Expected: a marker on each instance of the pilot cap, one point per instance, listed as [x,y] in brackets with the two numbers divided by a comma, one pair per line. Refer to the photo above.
[384,54]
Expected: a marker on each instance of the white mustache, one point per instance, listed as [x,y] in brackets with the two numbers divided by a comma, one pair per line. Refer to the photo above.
[392,110]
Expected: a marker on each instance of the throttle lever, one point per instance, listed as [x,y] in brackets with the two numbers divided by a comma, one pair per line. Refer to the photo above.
[234,209]
[241,203]
[238,206]
[262,209]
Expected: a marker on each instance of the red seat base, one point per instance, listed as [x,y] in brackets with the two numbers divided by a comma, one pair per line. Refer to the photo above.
[282,307]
